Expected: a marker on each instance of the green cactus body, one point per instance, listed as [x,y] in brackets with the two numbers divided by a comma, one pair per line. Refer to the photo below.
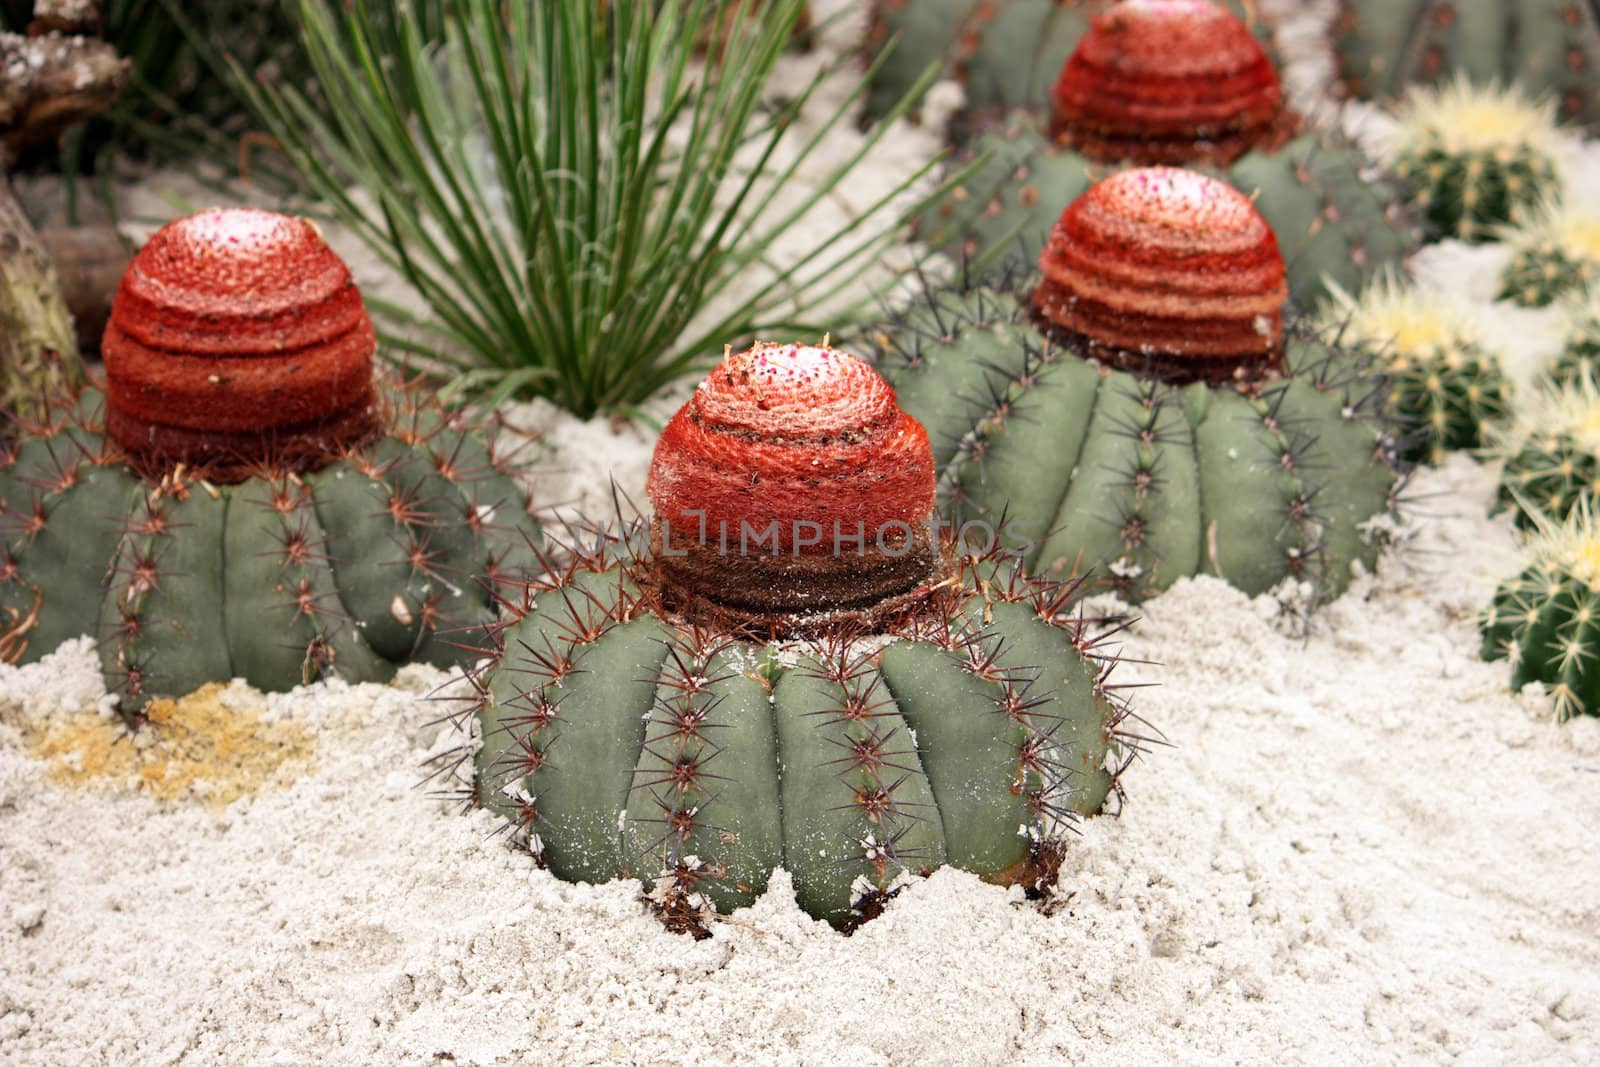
[1449,396]
[1334,220]
[619,743]
[1144,482]
[164,612]
[1552,47]
[59,539]
[1133,507]
[393,513]
[281,579]
[1544,620]
[1005,53]
[726,696]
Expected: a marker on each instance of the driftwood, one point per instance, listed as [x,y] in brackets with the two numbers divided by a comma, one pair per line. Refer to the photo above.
[49,80]
[52,81]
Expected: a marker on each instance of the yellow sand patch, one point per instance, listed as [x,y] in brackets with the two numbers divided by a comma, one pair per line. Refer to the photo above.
[209,745]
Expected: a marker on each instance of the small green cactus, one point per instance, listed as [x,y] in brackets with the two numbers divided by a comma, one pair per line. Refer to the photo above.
[1553,457]
[1546,620]
[1475,157]
[1579,359]
[1555,253]
[1441,381]
[677,705]
[1552,47]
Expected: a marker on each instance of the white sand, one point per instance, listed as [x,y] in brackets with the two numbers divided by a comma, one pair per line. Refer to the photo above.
[1358,848]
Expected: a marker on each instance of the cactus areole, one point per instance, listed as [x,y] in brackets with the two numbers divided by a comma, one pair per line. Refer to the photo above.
[1168,81]
[790,484]
[1168,272]
[237,339]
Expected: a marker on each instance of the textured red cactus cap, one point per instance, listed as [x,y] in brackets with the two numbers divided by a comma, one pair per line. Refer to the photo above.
[1168,272]
[792,483]
[1168,81]
[238,338]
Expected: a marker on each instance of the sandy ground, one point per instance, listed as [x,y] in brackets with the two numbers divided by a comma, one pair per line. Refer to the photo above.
[1358,847]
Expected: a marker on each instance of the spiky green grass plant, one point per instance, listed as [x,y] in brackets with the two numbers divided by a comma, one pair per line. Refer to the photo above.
[571,190]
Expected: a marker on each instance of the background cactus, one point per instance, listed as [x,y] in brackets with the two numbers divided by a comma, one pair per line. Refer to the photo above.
[1543,620]
[1474,157]
[1552,47]
[1551,463]
[1086,436]
[695,726]
[1555,251]
[1005,53]
[1181,83]
[1442,381]
[242,502]
[1579,359]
